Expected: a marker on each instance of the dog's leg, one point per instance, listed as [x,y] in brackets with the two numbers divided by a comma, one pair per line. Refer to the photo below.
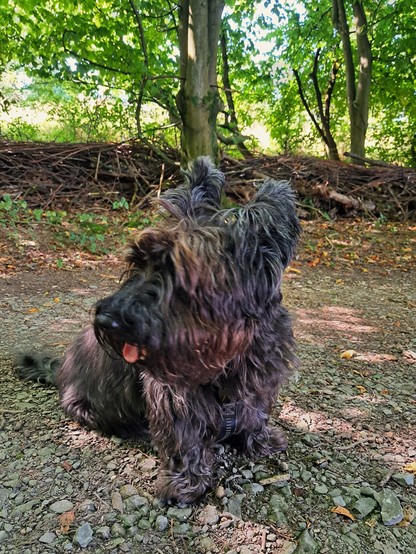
[179,421]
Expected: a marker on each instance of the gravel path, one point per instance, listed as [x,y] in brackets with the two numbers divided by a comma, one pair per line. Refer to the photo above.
[345,485]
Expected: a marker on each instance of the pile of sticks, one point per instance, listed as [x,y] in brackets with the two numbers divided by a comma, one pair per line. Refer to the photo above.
[64,176]
[337,188]
[58,175]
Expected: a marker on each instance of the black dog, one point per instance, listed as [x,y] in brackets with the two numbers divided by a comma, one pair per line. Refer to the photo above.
[195,344]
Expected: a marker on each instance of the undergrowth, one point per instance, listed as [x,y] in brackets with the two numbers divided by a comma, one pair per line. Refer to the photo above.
[86,231]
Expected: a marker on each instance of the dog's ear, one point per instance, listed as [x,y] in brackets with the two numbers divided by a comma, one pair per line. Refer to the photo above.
[151,247]
[263,236]
[200,195]
[275,203]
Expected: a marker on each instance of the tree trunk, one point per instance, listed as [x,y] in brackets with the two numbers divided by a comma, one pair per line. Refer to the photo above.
[358,94]
[198,99]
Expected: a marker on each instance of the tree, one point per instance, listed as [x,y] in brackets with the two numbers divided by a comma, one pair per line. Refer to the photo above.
[357,88]
[198,98]
[323,125]
[131,46]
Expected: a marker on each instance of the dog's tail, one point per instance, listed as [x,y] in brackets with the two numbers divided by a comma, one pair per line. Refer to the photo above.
[37,367]
[202,192]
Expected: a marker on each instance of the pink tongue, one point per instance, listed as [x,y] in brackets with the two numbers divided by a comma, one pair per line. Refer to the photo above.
[130,353]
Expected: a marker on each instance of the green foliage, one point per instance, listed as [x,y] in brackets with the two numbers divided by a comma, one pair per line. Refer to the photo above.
[86,231]
[90,65]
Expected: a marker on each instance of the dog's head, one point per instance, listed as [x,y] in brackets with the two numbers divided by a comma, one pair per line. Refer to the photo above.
[180,312]
[198,284]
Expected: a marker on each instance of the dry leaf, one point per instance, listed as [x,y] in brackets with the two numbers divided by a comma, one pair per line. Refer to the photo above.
[293,270]
[67,466]
[65,521]
[348,354]
[408,517]
[314,262]
[56,300]
[342,511]
[32,310]
[361,389]
[411,468]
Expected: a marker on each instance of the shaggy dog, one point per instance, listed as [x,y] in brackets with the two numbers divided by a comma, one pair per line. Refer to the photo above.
[194,345]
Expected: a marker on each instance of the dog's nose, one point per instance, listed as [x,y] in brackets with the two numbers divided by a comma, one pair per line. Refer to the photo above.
[105,321]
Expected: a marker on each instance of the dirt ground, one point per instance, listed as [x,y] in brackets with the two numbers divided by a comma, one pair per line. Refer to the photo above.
[347,480]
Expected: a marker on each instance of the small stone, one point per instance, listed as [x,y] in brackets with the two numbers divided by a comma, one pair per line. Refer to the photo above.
[181,528]
[83,535]
[306,543]
[136,501]
[220,492]
[278,506]
[245,550]
[234,505]
[128,490]
[404,479]
[144,524]
[365,506]
[206,544]
[103,532]
[339,501]
[367,491]
[61,506]
[117,501]
[180,514]
[117,530]
[391,510]
[209,515]
[288,548]
[306,475]
[47,538]
[253,488]
[321,489]
[161,523]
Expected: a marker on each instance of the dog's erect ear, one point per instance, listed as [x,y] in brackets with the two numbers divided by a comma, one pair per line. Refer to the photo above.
[277,201]
[267,228]
[152,245]
[202,192]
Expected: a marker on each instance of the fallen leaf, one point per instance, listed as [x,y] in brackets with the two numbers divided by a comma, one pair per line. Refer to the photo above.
[67,466]
[408,516]
[411,468]
[314,262]
[342,511]
[32,310]
[65,521]
[293,270]
[348,354]
[56,300]
[361,389]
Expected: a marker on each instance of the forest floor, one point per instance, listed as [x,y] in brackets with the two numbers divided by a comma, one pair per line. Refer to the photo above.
[346,483]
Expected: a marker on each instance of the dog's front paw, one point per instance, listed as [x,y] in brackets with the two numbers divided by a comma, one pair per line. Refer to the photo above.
[179,488]
[277,440]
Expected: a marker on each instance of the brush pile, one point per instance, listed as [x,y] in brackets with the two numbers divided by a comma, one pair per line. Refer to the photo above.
[91,175]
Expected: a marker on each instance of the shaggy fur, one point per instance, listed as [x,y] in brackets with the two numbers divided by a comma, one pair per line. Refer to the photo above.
[194,345]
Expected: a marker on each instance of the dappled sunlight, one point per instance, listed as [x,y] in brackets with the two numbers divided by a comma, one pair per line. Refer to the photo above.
[348,431]
[341,320]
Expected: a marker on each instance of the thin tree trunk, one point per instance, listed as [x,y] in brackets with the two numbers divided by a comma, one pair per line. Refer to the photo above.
[198,100]
[358,93]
